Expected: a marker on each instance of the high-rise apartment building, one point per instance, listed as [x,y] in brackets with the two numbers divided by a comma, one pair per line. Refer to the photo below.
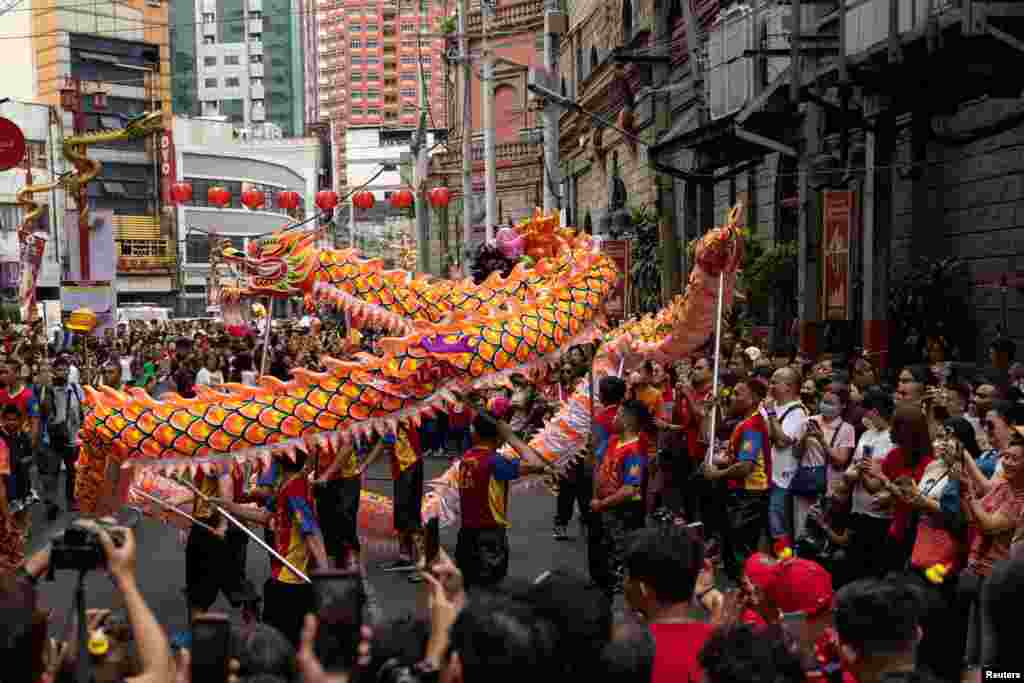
[240,59]
[368,54]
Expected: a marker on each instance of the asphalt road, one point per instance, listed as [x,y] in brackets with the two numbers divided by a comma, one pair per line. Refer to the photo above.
[161,559]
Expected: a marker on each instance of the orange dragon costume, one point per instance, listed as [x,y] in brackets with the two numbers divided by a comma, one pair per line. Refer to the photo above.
[454,336]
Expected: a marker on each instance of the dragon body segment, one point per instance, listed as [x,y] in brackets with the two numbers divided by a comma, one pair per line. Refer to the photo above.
[514,324]
[416,375]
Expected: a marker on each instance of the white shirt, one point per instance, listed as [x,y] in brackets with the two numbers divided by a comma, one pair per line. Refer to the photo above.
[865,502]
[784,462]
[126,369]
[843,434]
[203,377]
[73,375]
[249,378]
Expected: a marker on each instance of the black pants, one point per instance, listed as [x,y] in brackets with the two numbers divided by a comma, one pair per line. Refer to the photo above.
[608,536]
[575,488]
[408,503]
[49,461]
[747,515]
[869,552]
[285,606]
[678,468]
[482,556]
[337,507]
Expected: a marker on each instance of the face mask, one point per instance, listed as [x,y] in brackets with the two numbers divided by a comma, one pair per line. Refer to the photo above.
[828,410]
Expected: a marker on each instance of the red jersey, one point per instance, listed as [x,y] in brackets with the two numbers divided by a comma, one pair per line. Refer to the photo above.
[688,418]
[604,428]
[483,479]
[895,466]
[292,522]
[24,399]
[675,651]
[624,465]
[749,443]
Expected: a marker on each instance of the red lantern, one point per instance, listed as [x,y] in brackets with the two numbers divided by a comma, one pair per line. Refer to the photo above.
[440,196]
[288,200]
[218,196]
[363,200]
[253,199]
[402,199]
[181,193]
[326,200]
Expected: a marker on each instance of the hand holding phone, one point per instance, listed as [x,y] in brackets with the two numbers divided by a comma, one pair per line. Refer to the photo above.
[339,602]
[211,639]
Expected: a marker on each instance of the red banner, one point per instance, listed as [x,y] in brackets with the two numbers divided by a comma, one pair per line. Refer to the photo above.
[618,303]
[31,263]
[838,211]
[168,167]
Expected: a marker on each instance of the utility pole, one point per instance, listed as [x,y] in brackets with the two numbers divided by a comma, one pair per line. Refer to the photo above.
[419,181]
[467,132]
[487,8]
[554,27]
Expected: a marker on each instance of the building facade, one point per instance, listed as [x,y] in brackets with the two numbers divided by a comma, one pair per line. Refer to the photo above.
[41,126]
[378,231]
[240,59]
[518,148]
[368,57]
[209,154]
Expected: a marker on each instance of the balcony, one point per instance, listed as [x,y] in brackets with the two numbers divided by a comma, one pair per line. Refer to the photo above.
[259,114]
[255,5]
[509,152]
[210,30]
[256,92]
[256,70]
[255,48]
[520,15]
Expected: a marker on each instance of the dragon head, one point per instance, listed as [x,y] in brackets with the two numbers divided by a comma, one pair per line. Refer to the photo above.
[280,265]
[144,124]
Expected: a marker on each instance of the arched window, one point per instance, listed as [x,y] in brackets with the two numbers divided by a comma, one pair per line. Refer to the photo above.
[593,57]
[588,225]
[508,111]
[565,93]
[627,21]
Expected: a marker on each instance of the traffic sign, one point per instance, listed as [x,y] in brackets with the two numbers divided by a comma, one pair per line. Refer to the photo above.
[12,144]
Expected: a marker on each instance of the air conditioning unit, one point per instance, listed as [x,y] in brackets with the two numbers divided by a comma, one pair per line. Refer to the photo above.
[730,78]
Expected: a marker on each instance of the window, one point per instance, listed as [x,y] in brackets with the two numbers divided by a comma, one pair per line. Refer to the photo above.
[357,111]
[257,104]
[255,14]
[408,92]
[209,40]
[373,94]
[209,18]
[10,217]
[210,83]
[355,28]
[255,38]
[407,76]
[358,94]
[408,60]
[356,61]
[372,44]
[231,83]
[372,28]
[427,76]
[408,28]
[373,76]
[408,111]
[409,43]
[255,81]
[426,59]
[354,11]
[231,60]
[255,59]
[372,61]
[355,44]
[209,61]
[356,78]
[373,111]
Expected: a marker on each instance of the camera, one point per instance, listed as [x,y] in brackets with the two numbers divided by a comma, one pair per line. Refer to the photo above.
[78,548]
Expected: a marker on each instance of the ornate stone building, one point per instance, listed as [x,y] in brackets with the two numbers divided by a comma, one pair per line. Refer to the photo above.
[517,43]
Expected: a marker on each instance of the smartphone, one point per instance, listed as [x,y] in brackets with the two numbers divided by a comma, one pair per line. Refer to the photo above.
[340,602]
[431,542]
[211,639]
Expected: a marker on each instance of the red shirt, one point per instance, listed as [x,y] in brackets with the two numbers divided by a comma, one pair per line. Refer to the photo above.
[694,447]
[461,419]
[894,466]
[483,488]
[292,522]
[624,465]
[675,651]
[604,428]
[24,399]
[749,443]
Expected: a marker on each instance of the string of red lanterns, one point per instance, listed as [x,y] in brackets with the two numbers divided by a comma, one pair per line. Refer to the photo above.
[326,200]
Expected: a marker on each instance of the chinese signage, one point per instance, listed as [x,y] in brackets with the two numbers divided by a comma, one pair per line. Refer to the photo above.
[838,223]
[31,262]
[621,252]
[168,168]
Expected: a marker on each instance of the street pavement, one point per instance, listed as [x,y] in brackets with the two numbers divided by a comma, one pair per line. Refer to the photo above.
[161,559]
